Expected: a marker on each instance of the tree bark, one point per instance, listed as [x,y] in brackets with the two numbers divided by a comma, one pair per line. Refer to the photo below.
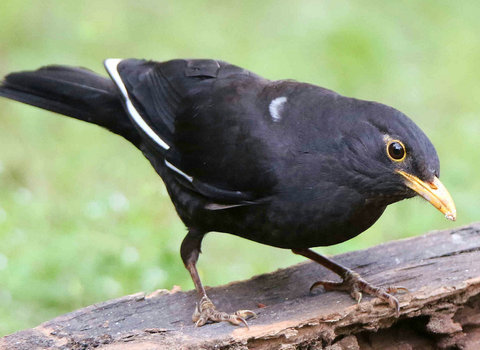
[441,311]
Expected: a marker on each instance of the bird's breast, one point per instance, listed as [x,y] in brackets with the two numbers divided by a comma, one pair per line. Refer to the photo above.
[319,222]
[296,223]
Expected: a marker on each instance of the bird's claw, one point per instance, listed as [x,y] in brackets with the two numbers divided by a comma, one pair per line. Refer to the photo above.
[355,285]
[205,311]
[396,289]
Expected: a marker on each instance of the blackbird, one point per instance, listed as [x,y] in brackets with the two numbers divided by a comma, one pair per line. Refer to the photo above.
[283,163]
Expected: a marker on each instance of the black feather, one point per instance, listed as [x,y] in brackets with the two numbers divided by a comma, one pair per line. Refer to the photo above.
[75,92]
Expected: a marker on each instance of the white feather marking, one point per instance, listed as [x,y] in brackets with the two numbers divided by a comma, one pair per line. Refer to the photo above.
[178,171]
[111,65]
[276,107]
[216,206]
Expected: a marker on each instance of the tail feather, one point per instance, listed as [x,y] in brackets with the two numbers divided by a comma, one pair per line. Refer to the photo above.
[75,92]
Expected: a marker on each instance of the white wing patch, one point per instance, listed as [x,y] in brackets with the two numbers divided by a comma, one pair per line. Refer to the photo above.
[276,107]
[178,171]
[111,65]
[216,206]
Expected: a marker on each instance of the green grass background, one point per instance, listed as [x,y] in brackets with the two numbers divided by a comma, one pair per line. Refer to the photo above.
[83,216]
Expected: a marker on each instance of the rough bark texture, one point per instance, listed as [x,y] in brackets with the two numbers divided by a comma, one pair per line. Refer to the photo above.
[442,310]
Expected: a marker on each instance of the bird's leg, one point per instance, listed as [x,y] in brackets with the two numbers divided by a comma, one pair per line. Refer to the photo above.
[205,311]
[352,282]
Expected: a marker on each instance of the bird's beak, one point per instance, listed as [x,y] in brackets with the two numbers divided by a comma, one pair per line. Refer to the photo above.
[434,192]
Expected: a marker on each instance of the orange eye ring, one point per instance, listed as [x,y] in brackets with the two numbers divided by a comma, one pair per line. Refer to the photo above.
[396,150]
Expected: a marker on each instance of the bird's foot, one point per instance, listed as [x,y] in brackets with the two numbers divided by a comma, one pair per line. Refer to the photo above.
[205,312]
[355,285]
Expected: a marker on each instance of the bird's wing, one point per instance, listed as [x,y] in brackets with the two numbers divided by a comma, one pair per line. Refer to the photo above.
[203,118]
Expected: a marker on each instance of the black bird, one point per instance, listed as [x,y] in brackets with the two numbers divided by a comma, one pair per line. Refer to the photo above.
[283,163]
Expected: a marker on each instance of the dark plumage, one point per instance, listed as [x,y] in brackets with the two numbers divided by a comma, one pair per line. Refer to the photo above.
[283,163]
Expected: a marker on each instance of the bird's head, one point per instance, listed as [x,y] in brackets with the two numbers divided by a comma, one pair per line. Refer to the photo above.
[392,157]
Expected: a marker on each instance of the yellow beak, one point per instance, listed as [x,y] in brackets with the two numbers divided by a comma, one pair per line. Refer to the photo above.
[434,192]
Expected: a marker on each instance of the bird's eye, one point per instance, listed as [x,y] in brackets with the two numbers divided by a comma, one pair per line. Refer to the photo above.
[396,151]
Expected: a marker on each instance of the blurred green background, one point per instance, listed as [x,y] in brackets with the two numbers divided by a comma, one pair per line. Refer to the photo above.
[83,216]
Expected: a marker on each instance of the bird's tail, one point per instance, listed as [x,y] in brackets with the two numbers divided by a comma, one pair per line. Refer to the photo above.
[75,92]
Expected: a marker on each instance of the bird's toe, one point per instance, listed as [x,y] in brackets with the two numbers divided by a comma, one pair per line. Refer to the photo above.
[205,312]
[397,289]
[356,285]
[246,314]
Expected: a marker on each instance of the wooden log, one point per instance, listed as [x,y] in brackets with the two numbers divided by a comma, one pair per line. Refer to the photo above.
[441,311]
